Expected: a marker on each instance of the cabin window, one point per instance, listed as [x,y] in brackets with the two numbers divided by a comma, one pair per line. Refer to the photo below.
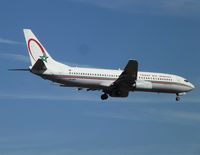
[186,80]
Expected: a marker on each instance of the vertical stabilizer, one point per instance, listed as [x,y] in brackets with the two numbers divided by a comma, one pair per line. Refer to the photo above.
[35,48]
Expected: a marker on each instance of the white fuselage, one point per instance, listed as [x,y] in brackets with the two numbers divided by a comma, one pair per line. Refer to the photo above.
[95,79]
[116,83]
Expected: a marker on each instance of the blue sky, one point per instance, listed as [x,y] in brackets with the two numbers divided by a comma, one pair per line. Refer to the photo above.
[37,117]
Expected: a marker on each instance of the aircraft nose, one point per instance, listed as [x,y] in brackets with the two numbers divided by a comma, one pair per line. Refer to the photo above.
[192,86]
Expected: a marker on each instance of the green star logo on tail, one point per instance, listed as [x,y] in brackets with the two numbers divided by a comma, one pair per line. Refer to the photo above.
[44,58]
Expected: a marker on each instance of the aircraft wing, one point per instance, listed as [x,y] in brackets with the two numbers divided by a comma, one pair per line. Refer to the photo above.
[126,80]
[129,75]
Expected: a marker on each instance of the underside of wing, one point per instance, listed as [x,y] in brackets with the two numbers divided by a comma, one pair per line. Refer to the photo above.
[125,82]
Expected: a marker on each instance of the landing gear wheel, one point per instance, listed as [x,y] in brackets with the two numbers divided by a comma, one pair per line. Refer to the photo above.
[134,86]
[104,96]
[178,98]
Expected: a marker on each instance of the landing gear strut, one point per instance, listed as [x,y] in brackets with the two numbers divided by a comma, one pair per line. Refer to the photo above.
[104,96]
[177,97]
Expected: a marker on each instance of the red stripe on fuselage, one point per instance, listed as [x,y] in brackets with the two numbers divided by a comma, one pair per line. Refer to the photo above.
[86,78]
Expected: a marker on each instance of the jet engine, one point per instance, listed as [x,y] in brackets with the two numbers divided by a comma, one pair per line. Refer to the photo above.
[140,84]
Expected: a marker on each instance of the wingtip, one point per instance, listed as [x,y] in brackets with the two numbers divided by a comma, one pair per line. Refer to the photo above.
[133,60]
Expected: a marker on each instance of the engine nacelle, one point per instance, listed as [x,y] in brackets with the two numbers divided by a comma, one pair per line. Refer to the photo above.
[140,84]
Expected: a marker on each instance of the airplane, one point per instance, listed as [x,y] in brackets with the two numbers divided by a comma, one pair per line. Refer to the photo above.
[113,83]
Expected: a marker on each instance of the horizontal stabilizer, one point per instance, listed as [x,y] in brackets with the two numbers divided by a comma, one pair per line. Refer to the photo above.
[39,66]
[19,69]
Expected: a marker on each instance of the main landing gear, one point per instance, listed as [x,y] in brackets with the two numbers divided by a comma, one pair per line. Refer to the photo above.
[104,96]
[177,97]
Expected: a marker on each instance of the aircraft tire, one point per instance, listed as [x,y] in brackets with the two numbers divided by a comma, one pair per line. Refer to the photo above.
[104,96]
[178,98]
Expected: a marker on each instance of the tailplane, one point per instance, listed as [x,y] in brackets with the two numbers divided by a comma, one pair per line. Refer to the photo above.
[39,66]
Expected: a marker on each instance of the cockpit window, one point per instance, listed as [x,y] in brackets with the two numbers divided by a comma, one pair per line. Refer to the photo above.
[186,80]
